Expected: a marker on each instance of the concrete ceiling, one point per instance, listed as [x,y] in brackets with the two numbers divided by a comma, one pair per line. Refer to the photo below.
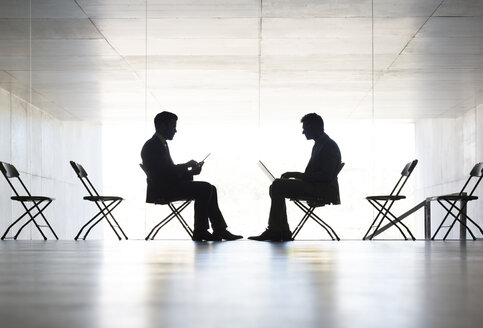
[104,60]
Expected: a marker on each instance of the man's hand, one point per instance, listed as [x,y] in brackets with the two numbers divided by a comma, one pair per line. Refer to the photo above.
[191,164]
[197,169]
[294,175]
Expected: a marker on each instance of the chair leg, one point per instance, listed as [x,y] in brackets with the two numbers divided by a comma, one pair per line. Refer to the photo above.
[114,204]
[456,218]
[175,212]
[112,217]
[309,212]
[157,227]
[385,211]
[394,221]
[47,222]
[103,216]
[13,223]
[300,225]
[375,219]
[384,216]
[32,218]
[444,219]
[323,224]
[181,220]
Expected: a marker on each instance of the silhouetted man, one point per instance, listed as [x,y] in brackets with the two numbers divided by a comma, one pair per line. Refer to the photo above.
[319,180]
[170,182]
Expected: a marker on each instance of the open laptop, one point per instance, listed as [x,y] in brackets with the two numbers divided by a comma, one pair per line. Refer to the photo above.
[266,171]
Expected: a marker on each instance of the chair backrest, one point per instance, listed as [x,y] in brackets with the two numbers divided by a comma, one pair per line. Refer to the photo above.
[340,168]
[409,167]
[405,174]
[477,170]
[9,172]
[82,175]
[476,174]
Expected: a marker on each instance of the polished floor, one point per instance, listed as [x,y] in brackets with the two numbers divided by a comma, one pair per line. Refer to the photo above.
[241,284]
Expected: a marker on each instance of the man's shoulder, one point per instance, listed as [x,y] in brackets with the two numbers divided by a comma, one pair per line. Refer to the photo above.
[151,143]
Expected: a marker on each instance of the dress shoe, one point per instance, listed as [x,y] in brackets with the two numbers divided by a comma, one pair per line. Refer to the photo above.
[226,235]
[271,235]
[203,235]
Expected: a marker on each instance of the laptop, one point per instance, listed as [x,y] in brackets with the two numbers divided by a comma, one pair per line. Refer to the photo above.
[266,171]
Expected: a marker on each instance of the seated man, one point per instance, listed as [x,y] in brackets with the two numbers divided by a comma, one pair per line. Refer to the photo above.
[318,181]
[171,182]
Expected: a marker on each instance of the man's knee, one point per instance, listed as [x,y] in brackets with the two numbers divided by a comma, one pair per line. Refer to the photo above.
[203,189]
[276,187]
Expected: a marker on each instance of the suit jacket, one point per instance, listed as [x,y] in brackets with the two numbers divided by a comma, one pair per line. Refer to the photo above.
[323,167]
[162,173]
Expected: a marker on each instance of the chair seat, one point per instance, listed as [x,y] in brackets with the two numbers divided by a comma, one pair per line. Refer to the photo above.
[102,198]
[316,202]
[456,197]
[30,198]
[163,201]
[386,197]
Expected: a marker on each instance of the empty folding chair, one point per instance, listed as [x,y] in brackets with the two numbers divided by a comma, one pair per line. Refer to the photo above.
[33,205]
[384,203]
[175,213]
[308,208]
[105,204]
[450,203]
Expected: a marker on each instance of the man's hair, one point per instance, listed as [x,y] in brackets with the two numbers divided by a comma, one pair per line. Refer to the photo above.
[313,119]
[164,118]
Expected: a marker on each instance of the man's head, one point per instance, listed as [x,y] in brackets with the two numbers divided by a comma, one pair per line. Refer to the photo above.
[165,124]
[312,126]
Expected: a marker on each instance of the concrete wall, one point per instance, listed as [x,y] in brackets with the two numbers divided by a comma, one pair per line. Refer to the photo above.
[447,149]
[40,147]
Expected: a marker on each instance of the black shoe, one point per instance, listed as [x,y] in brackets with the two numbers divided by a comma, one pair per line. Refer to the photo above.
[203,235]
[271,235]
[226,235]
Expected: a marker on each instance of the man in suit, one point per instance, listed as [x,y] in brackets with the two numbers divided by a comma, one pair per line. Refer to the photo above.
[170,182]
[318,181]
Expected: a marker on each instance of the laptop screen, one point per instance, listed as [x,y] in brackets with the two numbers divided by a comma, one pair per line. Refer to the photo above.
[266,171]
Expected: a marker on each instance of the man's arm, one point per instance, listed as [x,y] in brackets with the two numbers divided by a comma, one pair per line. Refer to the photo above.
[160,166]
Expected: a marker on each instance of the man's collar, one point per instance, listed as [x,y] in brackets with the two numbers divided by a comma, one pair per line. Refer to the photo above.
[160,137]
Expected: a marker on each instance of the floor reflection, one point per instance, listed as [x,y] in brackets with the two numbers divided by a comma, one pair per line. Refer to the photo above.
[240,284]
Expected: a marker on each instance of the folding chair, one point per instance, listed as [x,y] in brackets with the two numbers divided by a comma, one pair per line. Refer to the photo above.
[105,204]
[449,203]
[175,212]
[384,203]
[39,203]
[310,206]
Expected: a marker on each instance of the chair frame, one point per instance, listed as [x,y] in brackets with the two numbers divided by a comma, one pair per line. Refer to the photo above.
[105,204]
[175,213]
[10,172]
[311,204]
[449,203]
[384,203]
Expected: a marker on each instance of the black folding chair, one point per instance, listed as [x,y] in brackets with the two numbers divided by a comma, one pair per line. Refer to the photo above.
[309,207]
[384,203]
[175,213]
[39,203]
[105,204]
[449,203]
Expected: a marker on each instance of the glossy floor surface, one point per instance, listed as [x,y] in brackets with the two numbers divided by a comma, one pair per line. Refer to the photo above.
[241,284]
